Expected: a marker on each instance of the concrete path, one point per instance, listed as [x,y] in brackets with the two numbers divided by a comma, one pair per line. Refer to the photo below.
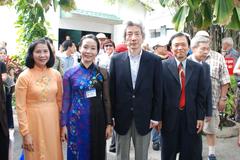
[227,149]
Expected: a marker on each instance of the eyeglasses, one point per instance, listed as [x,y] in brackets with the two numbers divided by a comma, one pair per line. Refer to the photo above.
[108,45]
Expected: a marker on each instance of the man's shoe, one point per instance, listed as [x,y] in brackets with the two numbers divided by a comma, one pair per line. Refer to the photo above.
[212,157]
[113,150]
[156,146]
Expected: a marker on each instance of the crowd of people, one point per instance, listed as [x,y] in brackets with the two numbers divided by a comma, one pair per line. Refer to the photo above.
[87,93]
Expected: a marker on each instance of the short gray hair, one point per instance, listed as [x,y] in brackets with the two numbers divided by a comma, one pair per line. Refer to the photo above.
[198,39]
[228,40]
[138,24]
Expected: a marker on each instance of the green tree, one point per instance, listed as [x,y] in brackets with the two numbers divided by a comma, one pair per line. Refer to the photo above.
[204,13]
[31,22]
[220,17]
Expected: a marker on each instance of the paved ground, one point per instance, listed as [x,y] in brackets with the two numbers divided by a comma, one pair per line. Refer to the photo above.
[227,149]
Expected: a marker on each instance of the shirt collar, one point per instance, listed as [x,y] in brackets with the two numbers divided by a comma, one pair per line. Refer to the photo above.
[195,60]
[139,55]
[90,67]
[183,62]
[66,56]
[209,54]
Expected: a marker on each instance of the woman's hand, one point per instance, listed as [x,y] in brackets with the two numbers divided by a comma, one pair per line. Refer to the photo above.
[64,134]
[108,131]
[28,143]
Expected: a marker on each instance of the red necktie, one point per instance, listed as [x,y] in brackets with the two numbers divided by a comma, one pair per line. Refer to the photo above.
[182,80]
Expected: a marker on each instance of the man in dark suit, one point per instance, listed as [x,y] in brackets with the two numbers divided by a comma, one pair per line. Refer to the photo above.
[183,98]
[200,49]
[136,94]
[4,137]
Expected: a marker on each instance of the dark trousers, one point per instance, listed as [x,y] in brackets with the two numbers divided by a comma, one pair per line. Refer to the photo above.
[4,143]
[9,110]
[200,147]
[180,141]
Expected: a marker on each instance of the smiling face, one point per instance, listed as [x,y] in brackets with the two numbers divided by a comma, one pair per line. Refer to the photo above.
[88,50]
[180,47]
[41,55]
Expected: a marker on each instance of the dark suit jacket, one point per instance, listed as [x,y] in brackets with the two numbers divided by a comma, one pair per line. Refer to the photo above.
[208,90]
[194,91]
[3,112]
[141,104]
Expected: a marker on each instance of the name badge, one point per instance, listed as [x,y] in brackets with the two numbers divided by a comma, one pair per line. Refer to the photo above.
[91,93]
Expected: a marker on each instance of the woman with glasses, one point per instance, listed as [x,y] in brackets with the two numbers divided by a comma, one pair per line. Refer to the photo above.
[103,60]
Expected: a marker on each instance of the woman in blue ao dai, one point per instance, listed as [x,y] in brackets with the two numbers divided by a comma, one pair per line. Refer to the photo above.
[86,111]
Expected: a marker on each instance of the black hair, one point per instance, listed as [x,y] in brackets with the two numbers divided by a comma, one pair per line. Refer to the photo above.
[107,41]
[179,34]
[29,59]
[48,39]
[66,44]
[91,36]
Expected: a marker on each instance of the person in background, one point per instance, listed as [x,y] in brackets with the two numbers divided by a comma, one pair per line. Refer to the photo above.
[3,46]
[38,104]
[104,59]
[68,58]
[86,112]
[76,54]
[228,50]
[8,90]
[200,47]
[58,65]
[135,87]
[146,47]
[160,49]
[67,37]
[4,132]
[120,48]
[236,71]
[101,38]
[59,53]
[220,80]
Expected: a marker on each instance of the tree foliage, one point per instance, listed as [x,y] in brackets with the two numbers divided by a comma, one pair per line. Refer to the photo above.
[204,13]
[6,2]
[31,22]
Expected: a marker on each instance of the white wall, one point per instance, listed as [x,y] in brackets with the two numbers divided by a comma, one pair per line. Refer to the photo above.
[8,33]
[125,12]
[133,12]
[155,19]
[81,23]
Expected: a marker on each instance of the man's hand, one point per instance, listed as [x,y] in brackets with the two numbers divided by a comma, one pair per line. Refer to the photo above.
[153,124]
[159,126]
[208,119]
[199,126]
[221,105]
[108,131]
